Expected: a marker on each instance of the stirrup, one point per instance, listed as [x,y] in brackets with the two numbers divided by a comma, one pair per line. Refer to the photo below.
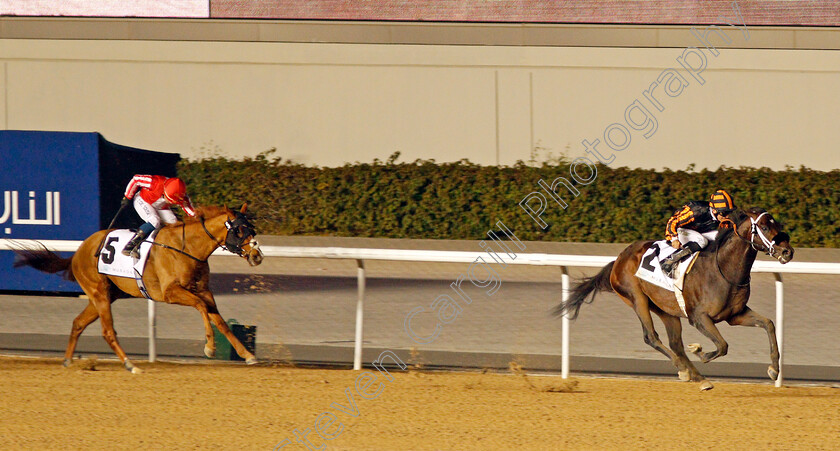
[668,266]
[133,252]
[132,248]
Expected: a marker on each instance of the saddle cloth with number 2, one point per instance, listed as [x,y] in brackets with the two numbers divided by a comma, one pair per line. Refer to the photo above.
[650,271]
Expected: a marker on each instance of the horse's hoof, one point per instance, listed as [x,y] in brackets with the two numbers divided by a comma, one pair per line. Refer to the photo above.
[67,363]
[695,348]
[706,385]
[772,373]
[684,376]
[209,352]
[133,369]
[251,361]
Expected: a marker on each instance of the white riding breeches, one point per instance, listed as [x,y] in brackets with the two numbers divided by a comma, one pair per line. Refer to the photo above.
[692,236]
[154,216]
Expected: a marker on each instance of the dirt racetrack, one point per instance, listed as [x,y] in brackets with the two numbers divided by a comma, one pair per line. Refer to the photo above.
[215,406]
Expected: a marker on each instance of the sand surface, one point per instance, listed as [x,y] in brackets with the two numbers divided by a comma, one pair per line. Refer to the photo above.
[228,406]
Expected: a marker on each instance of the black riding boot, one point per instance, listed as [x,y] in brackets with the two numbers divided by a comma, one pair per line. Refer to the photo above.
[670,263]
[132,249]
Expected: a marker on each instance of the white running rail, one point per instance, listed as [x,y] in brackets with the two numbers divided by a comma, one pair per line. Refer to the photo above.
[562,261]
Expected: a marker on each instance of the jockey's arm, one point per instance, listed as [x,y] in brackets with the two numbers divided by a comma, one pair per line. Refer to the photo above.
[680,219]
[670,229]
[137,182]
[187,206]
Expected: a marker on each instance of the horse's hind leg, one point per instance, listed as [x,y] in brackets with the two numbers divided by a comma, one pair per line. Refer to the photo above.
[640,303]
[687,370]
[99,292]
[81,322]
[110,334]
[752,319]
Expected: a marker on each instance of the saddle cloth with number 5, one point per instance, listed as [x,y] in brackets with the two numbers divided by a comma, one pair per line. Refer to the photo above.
[111,260]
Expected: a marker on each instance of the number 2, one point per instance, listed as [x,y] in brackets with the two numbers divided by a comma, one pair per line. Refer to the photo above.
[646,262]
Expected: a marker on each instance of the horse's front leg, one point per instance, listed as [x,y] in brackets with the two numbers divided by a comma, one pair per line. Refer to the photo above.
[686,369]
[176,294]
[220,323]
[752,319]
[210,343]
[707,327]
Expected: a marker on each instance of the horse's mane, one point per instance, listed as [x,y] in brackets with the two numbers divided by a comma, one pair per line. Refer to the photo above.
[202,212]
[738,217]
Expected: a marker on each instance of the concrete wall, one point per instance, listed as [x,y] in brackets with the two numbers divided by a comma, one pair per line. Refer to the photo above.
[364,98]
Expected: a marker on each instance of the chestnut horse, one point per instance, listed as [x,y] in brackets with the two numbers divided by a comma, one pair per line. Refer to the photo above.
[717,289]
[176,272]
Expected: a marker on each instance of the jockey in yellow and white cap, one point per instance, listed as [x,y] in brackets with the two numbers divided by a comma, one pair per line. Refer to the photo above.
[153,196]
[694,225]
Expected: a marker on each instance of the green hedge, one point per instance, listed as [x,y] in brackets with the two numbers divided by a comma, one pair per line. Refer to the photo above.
[463,200]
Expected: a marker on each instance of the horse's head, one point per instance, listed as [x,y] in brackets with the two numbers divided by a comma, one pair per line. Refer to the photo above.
[241,236]
[766,235]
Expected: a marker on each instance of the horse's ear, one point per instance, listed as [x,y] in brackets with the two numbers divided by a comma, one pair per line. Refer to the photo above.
[243,207]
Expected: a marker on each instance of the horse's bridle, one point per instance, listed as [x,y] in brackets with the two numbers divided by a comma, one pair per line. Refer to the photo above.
[768,244]
[242,230]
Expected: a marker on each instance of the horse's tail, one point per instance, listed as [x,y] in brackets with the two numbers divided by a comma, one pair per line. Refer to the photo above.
[46,261]
[587,287]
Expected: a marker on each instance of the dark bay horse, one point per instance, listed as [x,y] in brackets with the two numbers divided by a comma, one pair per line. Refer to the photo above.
[176,272]
[717,289]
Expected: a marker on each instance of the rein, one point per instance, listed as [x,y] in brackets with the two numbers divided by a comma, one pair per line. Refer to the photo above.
[717,264]
[717,251]
[183,245]
[218,243]
[184,242]
[179,251]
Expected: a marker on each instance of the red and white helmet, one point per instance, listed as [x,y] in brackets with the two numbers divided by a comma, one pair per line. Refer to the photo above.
[174,190]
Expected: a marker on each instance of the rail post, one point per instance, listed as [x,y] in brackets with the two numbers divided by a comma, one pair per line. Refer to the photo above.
[564,327]
[360,308]
[780,323]
[152,331]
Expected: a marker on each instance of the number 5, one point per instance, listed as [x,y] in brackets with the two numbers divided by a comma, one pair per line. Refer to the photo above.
[108,257]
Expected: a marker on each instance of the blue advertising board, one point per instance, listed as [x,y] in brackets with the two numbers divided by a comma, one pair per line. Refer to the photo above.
[51,187]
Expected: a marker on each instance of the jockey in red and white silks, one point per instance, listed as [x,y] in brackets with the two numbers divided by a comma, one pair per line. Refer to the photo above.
[153,196]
